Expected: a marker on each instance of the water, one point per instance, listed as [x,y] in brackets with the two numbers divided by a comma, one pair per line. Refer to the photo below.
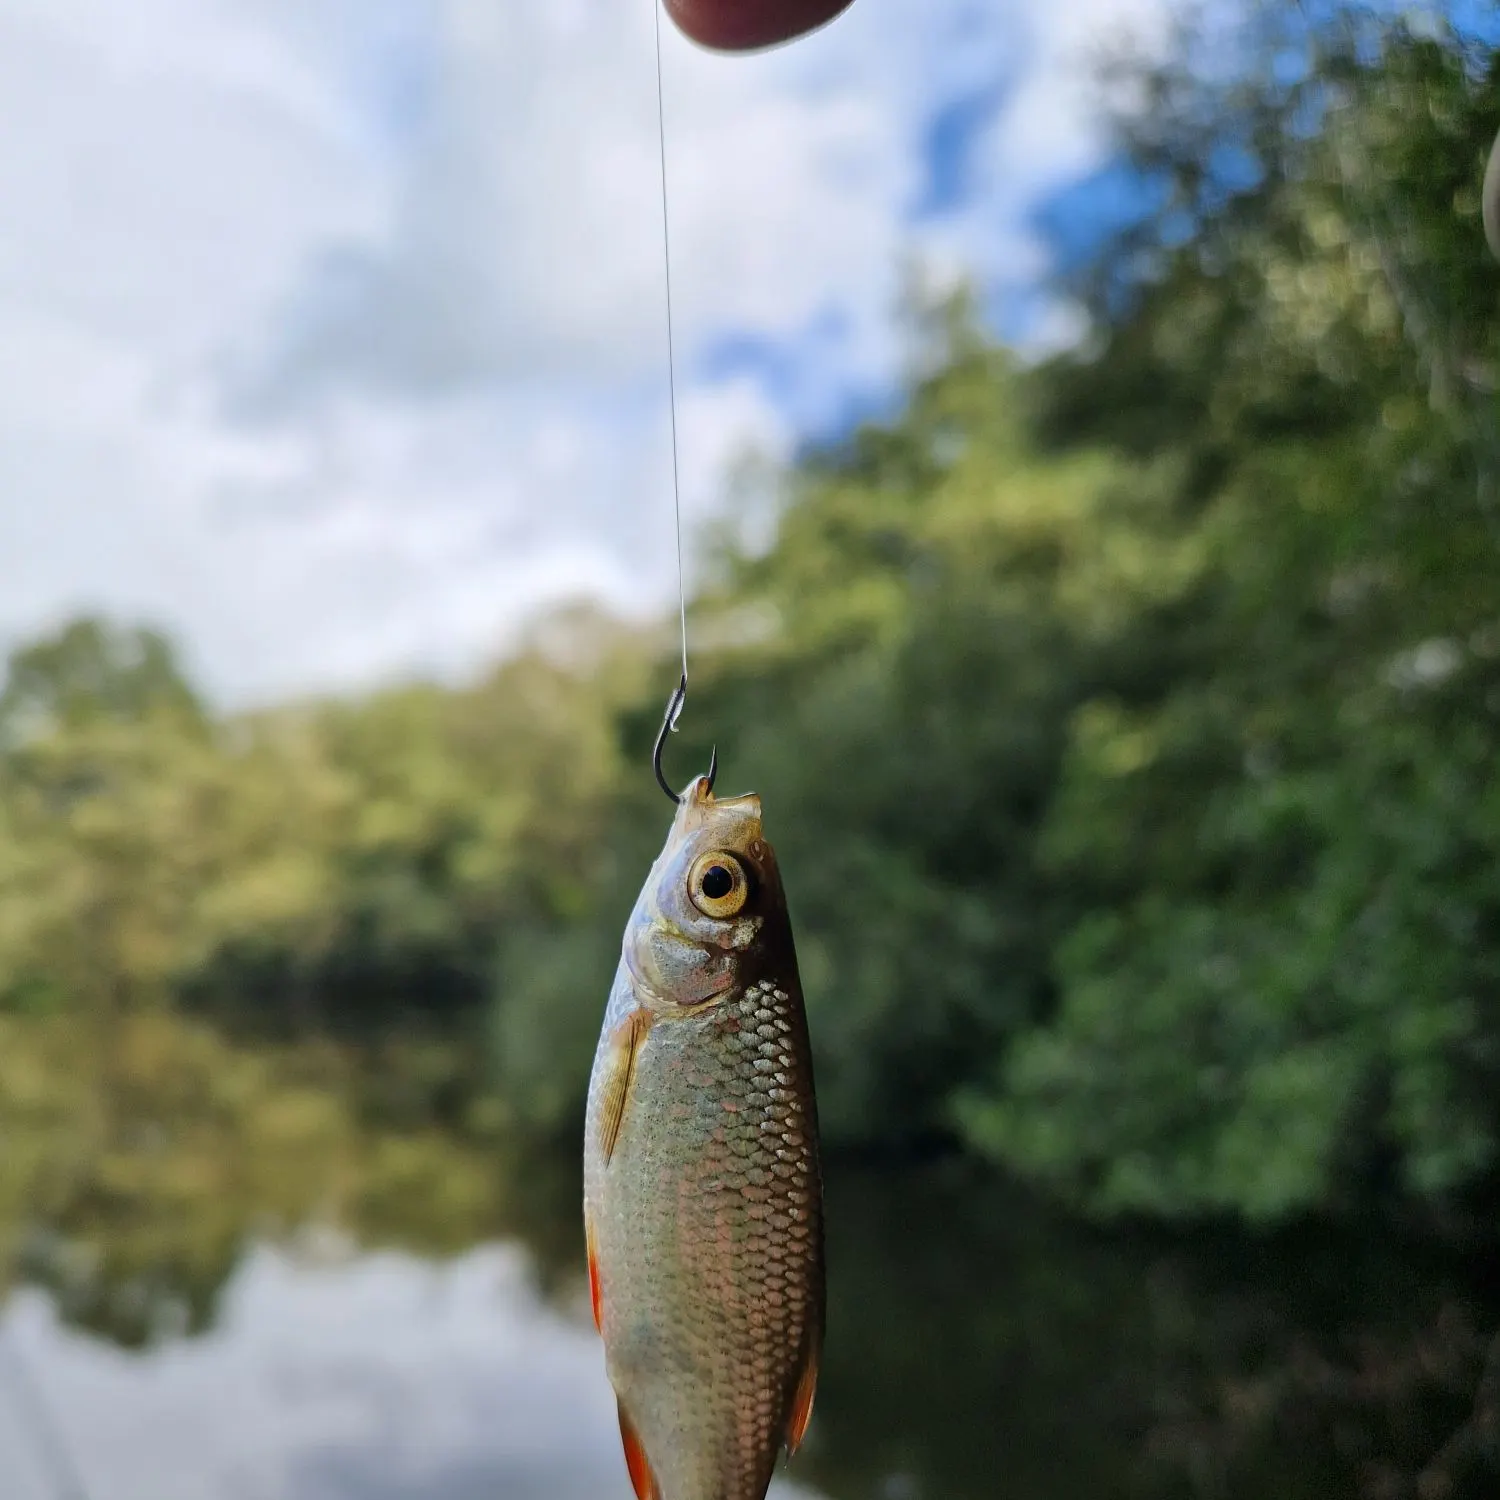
[383,1377]
[979,1346]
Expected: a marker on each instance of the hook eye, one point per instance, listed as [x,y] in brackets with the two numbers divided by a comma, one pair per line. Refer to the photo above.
[669,726]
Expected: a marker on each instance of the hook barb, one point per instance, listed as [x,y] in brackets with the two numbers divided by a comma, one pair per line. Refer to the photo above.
[669,726]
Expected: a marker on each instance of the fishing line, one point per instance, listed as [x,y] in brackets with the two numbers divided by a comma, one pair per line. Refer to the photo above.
[666,247]
[679,695]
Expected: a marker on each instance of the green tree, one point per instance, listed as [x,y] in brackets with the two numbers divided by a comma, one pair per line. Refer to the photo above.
[92,670]
[1279,989]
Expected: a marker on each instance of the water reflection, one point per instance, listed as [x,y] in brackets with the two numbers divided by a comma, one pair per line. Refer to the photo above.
[980,1345]
[383,1378]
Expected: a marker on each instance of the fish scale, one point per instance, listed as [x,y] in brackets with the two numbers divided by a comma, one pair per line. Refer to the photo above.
[703,1192]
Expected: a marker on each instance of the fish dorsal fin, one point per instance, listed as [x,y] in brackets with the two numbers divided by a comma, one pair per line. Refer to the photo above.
[624,1047]
[635,1460]
[802,1401]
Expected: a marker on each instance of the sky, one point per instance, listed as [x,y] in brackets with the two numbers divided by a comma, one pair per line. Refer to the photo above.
[332,331]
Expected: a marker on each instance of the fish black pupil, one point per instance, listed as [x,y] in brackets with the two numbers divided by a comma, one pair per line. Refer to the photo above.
[717,882]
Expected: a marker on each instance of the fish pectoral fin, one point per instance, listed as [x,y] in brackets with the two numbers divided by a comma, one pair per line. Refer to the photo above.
[636,1461]
[625,1046]
[596,1296]
[802,1401]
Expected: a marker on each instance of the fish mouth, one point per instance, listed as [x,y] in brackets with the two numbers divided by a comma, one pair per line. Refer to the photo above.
[699,807]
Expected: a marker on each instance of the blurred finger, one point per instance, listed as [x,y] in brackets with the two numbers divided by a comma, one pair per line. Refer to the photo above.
[742,25]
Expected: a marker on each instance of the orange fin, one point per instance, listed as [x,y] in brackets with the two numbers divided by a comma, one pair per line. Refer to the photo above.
[635,1460]
[625,1047]
[802,1402]
[596,1297]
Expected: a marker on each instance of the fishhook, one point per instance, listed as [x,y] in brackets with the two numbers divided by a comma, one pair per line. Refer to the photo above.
[669,725]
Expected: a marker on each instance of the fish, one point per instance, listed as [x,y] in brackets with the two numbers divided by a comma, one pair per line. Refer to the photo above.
[703,1196]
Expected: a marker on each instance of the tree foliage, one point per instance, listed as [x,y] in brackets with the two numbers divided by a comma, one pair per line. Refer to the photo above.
[1280,987]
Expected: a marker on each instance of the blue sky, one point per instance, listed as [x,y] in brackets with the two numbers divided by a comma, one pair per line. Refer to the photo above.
[331,331]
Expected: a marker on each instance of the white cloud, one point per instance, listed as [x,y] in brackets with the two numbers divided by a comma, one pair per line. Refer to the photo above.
[331,330]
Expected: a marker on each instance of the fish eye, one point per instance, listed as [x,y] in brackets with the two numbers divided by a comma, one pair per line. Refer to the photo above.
[718,885]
